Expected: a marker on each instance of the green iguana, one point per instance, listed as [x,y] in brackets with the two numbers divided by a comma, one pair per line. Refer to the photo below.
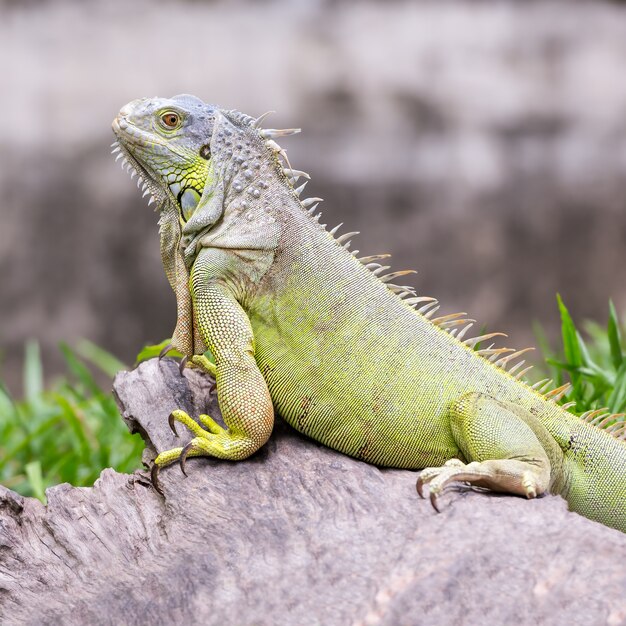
[298,324]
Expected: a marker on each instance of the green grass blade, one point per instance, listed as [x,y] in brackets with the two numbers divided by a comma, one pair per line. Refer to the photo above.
[33,372]
[35,479]
[7,407]
[82,435]
[571,347]
[617,399]
[613,333]
[102,359]
[79,369]
[152,351]
[569,335]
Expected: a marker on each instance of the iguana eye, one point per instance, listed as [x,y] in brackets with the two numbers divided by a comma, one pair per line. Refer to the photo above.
[170,119]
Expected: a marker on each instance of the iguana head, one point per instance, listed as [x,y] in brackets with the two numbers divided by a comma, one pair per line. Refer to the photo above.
[166,141]
[182,148]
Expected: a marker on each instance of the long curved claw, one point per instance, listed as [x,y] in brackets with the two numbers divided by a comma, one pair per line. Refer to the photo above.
[183,457]
[154,477]
[432,476]
[183,362]
[170,421]
[165,350]
[433,501]
[419,485]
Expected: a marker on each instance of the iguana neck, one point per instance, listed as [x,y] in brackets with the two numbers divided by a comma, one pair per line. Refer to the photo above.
[239,212]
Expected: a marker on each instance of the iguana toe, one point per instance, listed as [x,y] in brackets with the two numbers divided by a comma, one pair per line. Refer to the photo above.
[201,361]
[426,475]
[530,485]
[211,426]
[438,477]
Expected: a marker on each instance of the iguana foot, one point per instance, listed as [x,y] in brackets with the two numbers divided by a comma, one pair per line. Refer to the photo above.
[213,440]
[193,448]
[491,474]
[506,453]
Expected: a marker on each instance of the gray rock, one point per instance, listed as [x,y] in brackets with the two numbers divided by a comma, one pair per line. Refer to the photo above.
[297,534]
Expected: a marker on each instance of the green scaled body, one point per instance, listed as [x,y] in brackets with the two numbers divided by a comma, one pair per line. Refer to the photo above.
[298,325]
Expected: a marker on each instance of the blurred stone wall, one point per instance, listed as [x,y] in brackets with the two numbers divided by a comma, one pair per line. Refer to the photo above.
[483,144]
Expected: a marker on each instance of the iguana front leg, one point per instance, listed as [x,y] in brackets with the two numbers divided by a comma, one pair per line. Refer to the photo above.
[186,337]
[243,395]
[508,450]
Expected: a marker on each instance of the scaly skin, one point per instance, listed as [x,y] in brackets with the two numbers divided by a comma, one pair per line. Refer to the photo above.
[298,325]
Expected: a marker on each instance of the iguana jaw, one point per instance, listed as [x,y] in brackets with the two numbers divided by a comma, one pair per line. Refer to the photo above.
[144,179]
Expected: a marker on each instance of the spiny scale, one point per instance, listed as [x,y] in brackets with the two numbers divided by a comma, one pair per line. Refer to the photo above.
[259,120]
[275,133]
[126,164]
[559,392]
[388,277]
[588,416]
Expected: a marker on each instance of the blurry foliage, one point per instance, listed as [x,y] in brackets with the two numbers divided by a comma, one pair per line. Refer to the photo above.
[595,366]
[68,432]
[153,350]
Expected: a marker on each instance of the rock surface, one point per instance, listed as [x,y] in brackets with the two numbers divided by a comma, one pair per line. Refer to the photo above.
[298,534]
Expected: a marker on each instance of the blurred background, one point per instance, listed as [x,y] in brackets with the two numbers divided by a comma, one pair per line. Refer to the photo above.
[481,143]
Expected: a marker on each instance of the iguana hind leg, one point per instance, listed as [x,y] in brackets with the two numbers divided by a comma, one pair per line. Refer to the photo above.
[504,444]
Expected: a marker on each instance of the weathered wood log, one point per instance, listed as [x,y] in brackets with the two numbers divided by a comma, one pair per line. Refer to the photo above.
[297,534]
